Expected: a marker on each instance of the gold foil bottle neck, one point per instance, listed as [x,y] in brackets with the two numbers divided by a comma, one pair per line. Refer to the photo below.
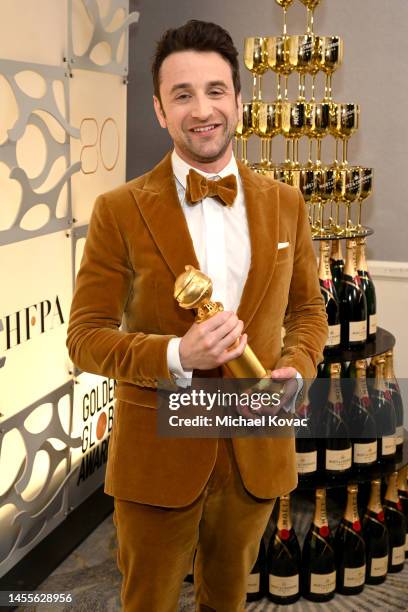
[374,503]
[335,369]
[402,479]
[324,262]
[350,265]
[335,394]
[284,519]
[389,365]
[391,493]
[379,366]
[336,252]
[351,513]
[320,515]
[361,368]
[361,255]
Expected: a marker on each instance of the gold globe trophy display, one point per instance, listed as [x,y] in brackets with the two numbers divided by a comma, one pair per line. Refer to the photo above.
[193,290]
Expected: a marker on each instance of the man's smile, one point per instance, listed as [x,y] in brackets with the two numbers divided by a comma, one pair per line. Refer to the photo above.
[205,129]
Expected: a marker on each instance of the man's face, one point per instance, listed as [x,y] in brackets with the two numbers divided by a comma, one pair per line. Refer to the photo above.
[198,105]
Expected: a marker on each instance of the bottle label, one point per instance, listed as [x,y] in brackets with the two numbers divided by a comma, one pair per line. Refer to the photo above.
[253,583]
[333,339]
[306,462]
[400,434]
[284,586]
[398,555]
[372,324]
[365,452]
[354,576]
[388,445]
[357,331]
[379,566]
[322,583]
[338,460]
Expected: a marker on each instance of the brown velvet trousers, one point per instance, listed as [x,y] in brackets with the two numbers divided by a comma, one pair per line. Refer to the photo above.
[155,544]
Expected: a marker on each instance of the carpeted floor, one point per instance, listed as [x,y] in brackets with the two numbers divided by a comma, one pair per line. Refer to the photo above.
[90,573]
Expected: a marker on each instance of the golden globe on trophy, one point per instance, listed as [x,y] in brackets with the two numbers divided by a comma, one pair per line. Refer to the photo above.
[193,289]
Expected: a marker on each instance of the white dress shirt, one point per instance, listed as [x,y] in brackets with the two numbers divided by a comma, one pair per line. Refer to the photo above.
[221,242]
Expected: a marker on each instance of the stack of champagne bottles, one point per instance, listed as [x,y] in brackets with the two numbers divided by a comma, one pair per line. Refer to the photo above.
[359,552]
[354,422]
[349,295]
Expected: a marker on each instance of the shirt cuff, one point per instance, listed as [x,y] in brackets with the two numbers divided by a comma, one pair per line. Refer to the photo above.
[181,377]
[291,406]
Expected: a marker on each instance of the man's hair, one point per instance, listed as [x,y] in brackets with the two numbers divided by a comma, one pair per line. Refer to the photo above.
[196,36]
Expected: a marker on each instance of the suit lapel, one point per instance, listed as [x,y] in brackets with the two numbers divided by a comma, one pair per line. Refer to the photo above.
[262,206]
[160,207]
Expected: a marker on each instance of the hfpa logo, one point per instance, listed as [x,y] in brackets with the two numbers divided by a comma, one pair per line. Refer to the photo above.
[23,325]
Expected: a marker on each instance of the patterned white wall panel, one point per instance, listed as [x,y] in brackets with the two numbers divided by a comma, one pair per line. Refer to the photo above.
[33,31]
[98,35]
[92,423]
[62,115]
[98,109]
[33,319]
[35,454]
[35,163]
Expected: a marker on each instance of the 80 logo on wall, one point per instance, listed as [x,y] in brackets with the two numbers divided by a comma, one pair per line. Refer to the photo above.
[100,145]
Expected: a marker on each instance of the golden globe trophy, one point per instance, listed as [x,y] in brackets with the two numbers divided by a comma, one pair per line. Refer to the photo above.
[193,289]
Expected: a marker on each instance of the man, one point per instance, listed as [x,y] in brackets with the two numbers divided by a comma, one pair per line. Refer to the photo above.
[175,495]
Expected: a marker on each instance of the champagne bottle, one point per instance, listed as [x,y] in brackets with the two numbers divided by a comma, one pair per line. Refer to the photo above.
[396,525]
[371,376]
[284,558]
[368,288]
[392,385]
[353,305]
[362,422]
[349,383]
[403,497]
[384,413]
[318,560]
[256,580]
[338,449]
[336,264]
[329,294]
[306,448]
[349,548]
[375,535]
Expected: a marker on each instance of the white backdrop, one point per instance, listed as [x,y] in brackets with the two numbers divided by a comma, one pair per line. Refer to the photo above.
[63,78]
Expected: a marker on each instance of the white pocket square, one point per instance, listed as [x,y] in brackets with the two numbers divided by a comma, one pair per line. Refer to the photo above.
[282,245]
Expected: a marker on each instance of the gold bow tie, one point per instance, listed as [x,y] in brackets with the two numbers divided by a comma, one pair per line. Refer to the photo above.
[199,187]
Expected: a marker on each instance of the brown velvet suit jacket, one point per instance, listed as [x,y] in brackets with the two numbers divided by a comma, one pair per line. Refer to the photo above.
[138,243]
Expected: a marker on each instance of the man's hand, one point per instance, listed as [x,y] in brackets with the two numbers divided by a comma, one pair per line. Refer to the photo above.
[287,377]
[287,387]
[205,345]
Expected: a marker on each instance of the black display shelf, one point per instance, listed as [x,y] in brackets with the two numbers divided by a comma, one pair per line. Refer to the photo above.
[322,480]
[362,233]
[383,342]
